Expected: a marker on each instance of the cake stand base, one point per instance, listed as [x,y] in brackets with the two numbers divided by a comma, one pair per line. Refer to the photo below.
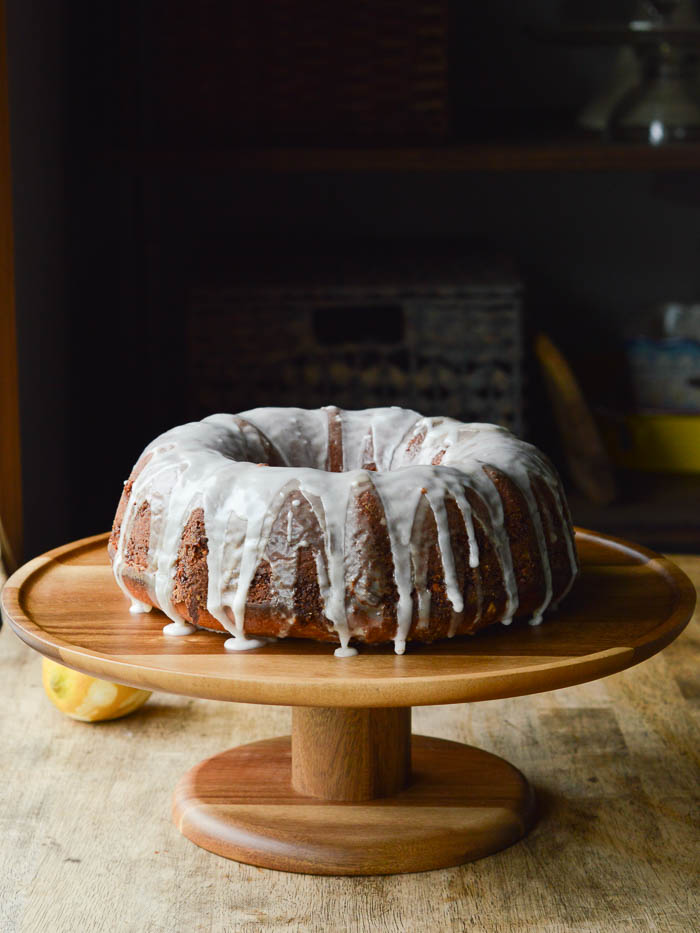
[351,792]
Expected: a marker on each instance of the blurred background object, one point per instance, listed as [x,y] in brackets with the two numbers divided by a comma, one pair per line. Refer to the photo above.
[659,427]
[3,568]
[664,106]
[653,441]
[8,563]
[586,458]
[652,95]
[664,373]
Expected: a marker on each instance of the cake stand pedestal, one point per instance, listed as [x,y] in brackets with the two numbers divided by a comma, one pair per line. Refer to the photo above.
[352,791]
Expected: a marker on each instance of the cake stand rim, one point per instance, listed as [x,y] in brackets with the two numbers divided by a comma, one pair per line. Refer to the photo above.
[392,690]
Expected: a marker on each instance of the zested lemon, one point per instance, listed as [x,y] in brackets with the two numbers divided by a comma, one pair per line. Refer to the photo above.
[87,698]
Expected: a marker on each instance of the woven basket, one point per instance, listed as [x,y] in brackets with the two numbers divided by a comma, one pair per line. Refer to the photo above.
[295,71]
[449,349]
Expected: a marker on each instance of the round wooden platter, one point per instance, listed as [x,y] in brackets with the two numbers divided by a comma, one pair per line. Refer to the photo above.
[627,604]
[352,792]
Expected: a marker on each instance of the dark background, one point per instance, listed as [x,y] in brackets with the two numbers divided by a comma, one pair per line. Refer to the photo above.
[123,201]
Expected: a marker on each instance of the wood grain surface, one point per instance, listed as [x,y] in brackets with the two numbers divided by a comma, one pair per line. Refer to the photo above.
[88,844]
[461,804]
[350,754]
[627,604]
[351,792]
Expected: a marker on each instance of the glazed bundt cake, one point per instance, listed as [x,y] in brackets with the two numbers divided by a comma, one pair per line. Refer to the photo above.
[364,526]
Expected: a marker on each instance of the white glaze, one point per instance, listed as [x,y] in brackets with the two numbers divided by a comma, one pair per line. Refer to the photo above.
[137,607]
[179,628]
[237,468]
[238,643]
[345,651]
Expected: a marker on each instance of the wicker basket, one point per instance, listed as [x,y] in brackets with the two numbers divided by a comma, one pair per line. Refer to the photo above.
[453,348]
[295,71]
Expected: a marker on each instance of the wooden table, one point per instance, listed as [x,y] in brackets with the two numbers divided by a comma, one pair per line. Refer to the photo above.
[87,843]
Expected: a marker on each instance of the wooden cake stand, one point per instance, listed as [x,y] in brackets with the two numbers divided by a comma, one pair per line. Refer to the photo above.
[352,791]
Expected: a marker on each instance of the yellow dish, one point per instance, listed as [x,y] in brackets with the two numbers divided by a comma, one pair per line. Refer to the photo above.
[653,441]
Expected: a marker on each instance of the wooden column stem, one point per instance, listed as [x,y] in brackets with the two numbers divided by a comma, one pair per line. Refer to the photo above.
[350,754]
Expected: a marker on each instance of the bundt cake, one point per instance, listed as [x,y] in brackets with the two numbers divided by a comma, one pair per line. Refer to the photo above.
[365,526]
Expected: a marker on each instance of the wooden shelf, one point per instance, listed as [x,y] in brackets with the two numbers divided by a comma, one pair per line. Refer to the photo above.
[555,156]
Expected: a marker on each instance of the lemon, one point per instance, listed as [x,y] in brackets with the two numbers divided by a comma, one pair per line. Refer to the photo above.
[87,698]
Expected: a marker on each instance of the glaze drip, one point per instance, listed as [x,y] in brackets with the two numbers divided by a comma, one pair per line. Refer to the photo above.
[245,471]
